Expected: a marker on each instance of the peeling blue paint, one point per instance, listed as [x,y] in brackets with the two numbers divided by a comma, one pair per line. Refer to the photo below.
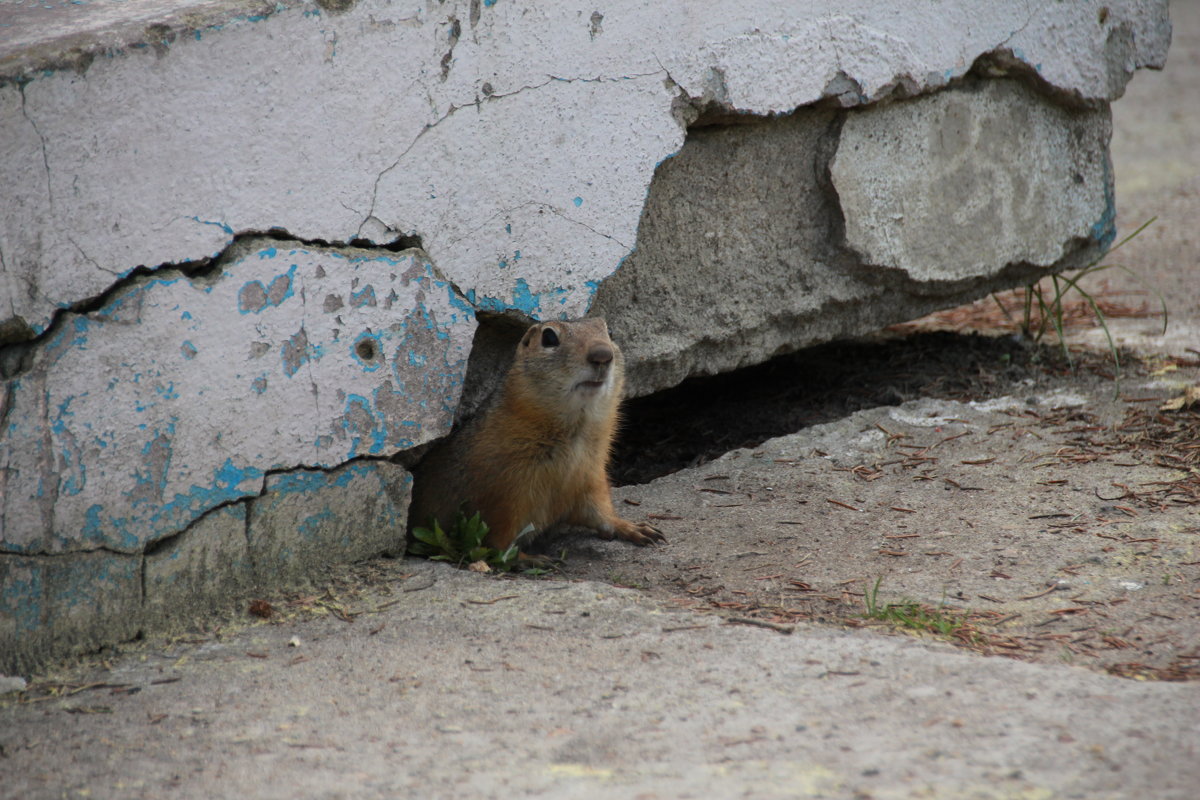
[578,201]
[279,291]
[33,590]
[21,596]
[377,432]
[523,299]
[72,471]
[156,494]
[363,297]
[228,230]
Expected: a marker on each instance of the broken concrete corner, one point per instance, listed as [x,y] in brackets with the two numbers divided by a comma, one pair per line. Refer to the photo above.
[763,236]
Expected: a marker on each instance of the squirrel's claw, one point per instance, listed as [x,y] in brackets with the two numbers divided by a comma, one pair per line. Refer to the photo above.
[639,533]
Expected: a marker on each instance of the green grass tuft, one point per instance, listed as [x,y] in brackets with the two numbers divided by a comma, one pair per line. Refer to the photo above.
[464,544]
[911,615]
[1045,307]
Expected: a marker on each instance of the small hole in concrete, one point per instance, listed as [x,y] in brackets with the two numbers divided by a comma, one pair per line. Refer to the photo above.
[366,350]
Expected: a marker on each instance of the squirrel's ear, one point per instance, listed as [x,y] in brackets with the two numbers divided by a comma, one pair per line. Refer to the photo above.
[529,334]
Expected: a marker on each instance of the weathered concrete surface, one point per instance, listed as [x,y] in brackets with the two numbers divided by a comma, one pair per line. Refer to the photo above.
[185,394]
[454,685]
[848,221]
[304,521]
[196,572]
[181,394]
[162,360]
[947,188]
[308,518]
[51,606]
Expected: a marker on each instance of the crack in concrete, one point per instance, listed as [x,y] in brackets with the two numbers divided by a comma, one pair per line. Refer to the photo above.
[89,259]
[560,213]
[416,139]
[100,548]
[191,270]
[479,101]
[1028,21]
[12,306]
[42,139]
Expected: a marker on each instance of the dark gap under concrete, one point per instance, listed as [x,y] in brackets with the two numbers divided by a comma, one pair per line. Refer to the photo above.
[705,417]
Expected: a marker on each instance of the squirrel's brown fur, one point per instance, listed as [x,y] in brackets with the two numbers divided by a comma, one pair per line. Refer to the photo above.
[537,455]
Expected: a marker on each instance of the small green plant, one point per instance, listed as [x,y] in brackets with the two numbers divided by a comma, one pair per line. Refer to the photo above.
[464,544]
[916,616]
[1045,307]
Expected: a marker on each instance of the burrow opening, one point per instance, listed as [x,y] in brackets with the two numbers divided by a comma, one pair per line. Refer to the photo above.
[705,417]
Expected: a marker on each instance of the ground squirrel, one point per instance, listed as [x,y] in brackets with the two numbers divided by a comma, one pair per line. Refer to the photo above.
[537,454]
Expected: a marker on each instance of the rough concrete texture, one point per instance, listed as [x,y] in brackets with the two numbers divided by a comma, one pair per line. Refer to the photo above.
[311,518]
[184,394]
[302,522]
[852,220]
[946,187]
[196,573]
[163,360]
[453,685]
[51,606]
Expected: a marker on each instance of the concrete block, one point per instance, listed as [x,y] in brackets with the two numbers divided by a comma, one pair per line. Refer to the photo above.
[309,519]
[181,394]
[57,606]
[762,237]
[955,186]
[736,255]
[205,568]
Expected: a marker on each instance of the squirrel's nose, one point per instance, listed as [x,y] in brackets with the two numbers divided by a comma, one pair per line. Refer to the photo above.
[600,355]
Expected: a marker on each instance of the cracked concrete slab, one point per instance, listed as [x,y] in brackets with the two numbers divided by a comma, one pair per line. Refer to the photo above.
[54,605]
[198,570]
[181,394]
[849,221]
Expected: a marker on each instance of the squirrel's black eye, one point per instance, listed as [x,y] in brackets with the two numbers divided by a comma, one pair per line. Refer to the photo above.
[549,338]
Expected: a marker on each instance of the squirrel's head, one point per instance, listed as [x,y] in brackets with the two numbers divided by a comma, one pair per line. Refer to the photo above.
[572,365]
